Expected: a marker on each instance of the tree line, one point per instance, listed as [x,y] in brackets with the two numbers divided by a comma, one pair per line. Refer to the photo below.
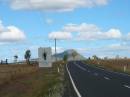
[27,57]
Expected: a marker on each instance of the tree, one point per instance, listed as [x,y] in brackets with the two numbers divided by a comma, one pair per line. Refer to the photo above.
[89,58]
[27,56]
[95,57]
[15,58]
[6,61]
[65,58]
[74,54]
[125,58]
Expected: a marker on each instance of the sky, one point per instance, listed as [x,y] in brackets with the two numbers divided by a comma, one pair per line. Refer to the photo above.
[92,27]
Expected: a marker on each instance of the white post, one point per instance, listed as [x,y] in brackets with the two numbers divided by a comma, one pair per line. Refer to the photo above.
[124,68]
[58,69]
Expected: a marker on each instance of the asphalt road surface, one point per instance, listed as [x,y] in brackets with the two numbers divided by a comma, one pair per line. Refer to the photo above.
[91,81]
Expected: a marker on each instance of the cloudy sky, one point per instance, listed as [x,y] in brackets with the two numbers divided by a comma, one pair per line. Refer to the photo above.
[91,27]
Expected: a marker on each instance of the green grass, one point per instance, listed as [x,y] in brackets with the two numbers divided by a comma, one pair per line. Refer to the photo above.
[46,82]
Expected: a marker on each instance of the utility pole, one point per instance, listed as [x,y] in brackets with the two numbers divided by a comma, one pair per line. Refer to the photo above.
[55,51]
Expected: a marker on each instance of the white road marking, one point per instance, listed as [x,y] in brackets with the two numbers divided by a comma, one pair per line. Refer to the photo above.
[88,71]
[109,70]
[126,86]
[74,86]
[58,69]
[107,78]
[96,74]
[80,67]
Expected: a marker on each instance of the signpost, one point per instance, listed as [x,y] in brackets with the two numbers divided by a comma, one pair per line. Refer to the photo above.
[45,57]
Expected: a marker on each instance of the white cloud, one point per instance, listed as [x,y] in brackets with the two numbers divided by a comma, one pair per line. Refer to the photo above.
[86,31]
[129,34]
[116,48]
[100,35]
[1,27]
[127,37]
[60,35]
[55,5]
[83,27]
[58,49]
[113,33]
[110,51]
[49,21]
[2,43]
[10,33]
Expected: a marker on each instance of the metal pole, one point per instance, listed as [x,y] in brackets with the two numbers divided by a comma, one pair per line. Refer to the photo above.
[55,50]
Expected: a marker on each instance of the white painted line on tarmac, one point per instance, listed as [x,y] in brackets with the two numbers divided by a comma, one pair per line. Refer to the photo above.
[120,73]
[96,74]
[80,67]
[126,86]
[107,78]
[74,86]
[88,70]
[124,74]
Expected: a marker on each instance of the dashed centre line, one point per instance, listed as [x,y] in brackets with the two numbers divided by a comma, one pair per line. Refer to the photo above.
[96,74]
[107,78]
[80,67]
[88,70]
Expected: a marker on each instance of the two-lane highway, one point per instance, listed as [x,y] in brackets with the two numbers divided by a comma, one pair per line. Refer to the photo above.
[91,81]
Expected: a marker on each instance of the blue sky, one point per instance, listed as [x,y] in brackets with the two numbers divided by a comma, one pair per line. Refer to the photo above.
[91,27]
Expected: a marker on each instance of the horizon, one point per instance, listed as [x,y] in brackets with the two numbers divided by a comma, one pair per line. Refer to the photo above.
[98,27]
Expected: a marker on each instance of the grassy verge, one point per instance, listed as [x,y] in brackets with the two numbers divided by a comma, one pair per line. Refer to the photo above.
[10,72]
[46,82]
[111,64]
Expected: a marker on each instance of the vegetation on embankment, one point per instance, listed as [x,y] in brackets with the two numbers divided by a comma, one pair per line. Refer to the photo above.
[111,64]
[46,82]
[10,72]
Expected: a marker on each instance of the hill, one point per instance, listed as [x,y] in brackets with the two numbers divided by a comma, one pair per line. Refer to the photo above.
[71,53]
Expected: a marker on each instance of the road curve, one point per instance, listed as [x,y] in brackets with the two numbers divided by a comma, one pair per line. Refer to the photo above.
[95,82]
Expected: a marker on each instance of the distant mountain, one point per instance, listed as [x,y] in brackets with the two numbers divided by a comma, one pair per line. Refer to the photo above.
[60,56]
[72,55]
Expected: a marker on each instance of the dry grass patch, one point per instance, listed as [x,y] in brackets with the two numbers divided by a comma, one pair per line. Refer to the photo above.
[112,64]
[46,82]
[10,72]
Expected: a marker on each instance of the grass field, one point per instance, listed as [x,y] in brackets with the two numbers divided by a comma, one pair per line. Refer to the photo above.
[45,82]
[112,64]
[10,72]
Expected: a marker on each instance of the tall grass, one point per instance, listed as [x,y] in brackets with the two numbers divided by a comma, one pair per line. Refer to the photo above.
[46,82]
[9,72]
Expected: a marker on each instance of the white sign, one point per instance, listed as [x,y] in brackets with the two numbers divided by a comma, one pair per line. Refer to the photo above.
[45,57]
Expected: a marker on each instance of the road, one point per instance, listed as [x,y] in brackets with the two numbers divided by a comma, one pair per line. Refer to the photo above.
[89,81]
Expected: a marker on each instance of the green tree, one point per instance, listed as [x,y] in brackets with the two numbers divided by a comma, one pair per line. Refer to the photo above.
[65,58]
[15,58]
[95,57]
[74,54]
[89,58]
[27,56]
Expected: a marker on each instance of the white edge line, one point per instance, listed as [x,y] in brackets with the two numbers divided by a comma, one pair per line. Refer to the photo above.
[127,86]
[74,86]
